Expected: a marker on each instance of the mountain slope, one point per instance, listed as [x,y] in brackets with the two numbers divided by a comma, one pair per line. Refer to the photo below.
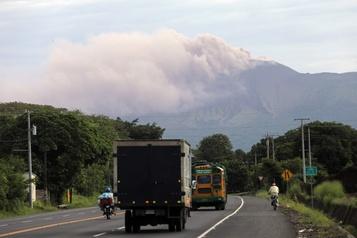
[273,96]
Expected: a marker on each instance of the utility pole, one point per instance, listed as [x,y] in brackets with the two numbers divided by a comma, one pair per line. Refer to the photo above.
[303,145]
[255,157]
[311,183]
[268,145]
[29,156]
[46,185]
[272,144]
[308,133]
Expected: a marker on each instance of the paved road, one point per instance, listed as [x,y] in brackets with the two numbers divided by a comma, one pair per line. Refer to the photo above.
[250,217]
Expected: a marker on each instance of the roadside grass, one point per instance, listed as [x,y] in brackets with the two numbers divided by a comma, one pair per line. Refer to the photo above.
[309,215]
[308,222]
[78,201]
[25,210]
[351,229]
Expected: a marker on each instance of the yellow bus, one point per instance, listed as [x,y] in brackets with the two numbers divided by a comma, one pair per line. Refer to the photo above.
[210,185]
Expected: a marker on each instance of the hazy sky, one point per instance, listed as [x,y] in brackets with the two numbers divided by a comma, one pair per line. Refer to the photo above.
[51,44]
[307,35]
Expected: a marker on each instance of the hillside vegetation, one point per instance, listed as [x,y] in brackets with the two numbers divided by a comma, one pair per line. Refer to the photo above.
[70,151]
[74,151]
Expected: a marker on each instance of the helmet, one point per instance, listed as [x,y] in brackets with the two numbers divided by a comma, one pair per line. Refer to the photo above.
[108,190]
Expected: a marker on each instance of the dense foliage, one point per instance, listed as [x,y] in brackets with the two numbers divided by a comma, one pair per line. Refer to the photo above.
[13,184]
[215,148]
[77,148]
[74,150]
[333,149]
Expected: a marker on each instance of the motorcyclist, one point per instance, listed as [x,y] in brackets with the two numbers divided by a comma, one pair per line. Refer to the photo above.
[274,192]
[106,196]
[107,193]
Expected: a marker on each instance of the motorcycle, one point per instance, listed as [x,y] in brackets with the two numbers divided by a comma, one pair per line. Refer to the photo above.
[274,202]
[108,211]
[106,205]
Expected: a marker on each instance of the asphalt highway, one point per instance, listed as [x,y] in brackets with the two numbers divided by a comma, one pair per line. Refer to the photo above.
[244,217]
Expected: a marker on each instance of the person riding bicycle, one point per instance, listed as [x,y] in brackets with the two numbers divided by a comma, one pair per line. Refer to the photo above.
[274,192]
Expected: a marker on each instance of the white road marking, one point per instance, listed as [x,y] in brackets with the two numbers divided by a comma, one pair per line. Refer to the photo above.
[100,234]
[28,221]
[48,218]
[3,225]
[47,226]
[67,215]
[119,228]
[221,221]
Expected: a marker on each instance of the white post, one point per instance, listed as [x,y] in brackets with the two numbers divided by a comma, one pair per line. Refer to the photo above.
[303,146]
[268,145]
[303,150]
[272,140]
[308,133]
[29,156]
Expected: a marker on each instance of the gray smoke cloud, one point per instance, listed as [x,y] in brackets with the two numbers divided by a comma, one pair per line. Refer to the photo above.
[136,73]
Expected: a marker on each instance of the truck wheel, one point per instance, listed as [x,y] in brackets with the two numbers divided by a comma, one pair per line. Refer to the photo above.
[128,225]
[136,227]
[179,224]
[171,226]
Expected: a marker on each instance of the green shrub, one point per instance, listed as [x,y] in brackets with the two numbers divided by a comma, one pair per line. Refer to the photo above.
[347,201]
[295,190]
[83,201]
[12,184]
[329,191]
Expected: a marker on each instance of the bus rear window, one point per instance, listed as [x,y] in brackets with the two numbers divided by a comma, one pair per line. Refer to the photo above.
[204,179]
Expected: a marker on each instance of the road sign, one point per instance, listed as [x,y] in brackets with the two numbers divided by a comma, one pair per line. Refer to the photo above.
[287,175]
[311,171]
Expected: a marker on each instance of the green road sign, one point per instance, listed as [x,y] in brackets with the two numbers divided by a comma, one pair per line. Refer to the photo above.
[311,171]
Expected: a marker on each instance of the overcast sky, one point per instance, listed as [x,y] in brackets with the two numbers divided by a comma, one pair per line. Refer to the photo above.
[42,40]
[309,36]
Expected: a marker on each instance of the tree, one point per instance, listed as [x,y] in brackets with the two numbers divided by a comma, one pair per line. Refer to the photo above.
[13,185]
[240,155]
[271,171]
[69,140]
[238,176]
[91,180]
[138,131]
[74,144]
[215,148]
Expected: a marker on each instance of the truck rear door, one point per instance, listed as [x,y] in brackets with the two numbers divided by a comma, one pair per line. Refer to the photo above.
[149,173]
